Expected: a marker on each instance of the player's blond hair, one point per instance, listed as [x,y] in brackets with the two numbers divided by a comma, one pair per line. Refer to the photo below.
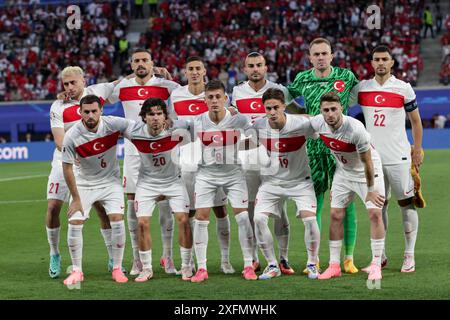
[72,70]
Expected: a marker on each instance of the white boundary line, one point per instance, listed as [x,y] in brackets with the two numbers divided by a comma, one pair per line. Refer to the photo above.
[23,177]
[21,201]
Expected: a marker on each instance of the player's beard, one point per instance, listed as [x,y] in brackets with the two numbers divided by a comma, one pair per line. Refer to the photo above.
[141,75]
[258,79]
[90,124]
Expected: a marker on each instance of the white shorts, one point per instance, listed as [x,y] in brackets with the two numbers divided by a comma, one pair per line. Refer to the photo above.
[56,186]
[253,179]
[234,186]
[271,197]
[398,178]
[188,178]
[175,193]
[131,165]
[343,191]
[111,198]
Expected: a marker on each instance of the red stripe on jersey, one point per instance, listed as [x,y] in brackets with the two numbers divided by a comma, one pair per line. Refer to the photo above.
[156,146]
[72,113]
[252,105]
[190,107]
[338,145]
[98,146]
[143,93]
[381,99]
[282,145]
[220,138]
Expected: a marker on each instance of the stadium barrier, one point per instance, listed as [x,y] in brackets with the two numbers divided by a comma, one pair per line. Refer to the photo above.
[43,151]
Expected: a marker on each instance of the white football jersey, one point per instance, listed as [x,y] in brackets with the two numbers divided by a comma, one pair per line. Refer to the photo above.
[219,143]
[346,143]
[249,102]
[65,115]
[384,113]
[286,149]
[159,164]
[96,152]
[132,95]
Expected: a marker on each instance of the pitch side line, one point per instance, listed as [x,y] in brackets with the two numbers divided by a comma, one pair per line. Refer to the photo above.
[23,177]
[21,201]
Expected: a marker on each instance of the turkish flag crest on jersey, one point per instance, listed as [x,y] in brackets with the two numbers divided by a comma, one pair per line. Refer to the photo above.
[338,145]
[220,138]
[157,146]
[283,145]
[252,105]
[190,107]
[98,146]
[339,85]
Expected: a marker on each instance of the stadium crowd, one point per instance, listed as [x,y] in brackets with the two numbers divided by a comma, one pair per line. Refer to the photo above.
[39,44]
[36,45]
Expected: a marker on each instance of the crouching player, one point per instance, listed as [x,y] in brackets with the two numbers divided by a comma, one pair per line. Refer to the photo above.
[93,141]
[359,172]
[285,175]
[159,176]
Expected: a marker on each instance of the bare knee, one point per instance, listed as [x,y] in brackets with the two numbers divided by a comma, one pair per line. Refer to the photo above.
[375,215]
[182,219]
[54,207]
[337,214]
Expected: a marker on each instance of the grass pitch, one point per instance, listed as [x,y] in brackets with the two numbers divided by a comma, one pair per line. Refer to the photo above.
[25,253]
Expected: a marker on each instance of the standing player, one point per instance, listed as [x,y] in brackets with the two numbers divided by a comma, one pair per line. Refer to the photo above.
[384,100]
[286,176]
[132,93]
[159,176]
[247,98]
[93,141]
[358,171]
[312,84]
[219,134]
[187,103]
[63,115]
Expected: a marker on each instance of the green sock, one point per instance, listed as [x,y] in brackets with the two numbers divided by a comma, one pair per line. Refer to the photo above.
[350,229]
[319,198]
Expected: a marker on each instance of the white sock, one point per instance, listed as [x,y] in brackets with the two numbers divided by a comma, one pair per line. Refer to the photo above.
[282,230]
[377,246]
[75,242]
[133,228]
[245,237]
[53,239]
[117,242]
[201,242]
[410,227]
[264,238]
[251,213]
[106,233]
[312,238]
[223,235]
[186,256]
[146,259]
[192,224]
[335,251]
[166,222]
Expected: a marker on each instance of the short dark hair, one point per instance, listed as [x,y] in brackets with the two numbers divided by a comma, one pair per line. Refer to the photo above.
[138,50]
[330,97]
[255,54]
[149,104]
[90,98]
[273,93]
[194,58]
[214,85]
[381,48]
[319,41]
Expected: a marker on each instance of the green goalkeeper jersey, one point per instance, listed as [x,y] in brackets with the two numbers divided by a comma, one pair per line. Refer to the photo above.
[311,87]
